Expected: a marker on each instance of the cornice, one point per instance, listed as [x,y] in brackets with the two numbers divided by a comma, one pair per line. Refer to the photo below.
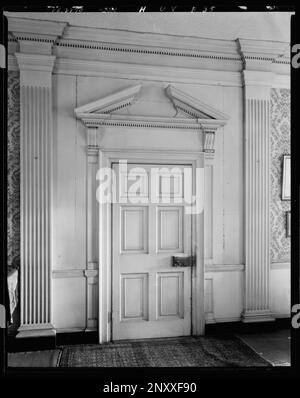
[262,48]
[260,55]
[151,41]
[148,50]
[79,44]
[35,30]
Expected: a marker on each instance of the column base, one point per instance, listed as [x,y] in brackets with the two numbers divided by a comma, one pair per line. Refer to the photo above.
[43,330]
[257,316]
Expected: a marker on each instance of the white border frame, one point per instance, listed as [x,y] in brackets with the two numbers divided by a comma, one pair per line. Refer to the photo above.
[106,158]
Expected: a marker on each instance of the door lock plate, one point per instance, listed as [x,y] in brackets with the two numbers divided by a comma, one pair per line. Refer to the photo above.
[178,261]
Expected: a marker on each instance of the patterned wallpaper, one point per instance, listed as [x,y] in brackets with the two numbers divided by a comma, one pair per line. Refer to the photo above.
[13,184]
[280,145]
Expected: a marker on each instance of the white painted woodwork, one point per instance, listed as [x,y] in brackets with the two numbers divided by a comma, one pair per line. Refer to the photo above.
[257,197]
[36,193]
[150,297]
[86,72]
[107,158]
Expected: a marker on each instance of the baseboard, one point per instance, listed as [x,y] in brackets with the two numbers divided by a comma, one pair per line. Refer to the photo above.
[77,338]
[30,343]
[241,327]
[39,343]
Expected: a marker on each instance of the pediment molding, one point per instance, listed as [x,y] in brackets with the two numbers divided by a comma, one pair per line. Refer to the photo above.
[196,114]
[193,107]
[191,113]
[109,103]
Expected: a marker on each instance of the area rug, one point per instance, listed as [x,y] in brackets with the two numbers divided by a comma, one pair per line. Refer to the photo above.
[208,351]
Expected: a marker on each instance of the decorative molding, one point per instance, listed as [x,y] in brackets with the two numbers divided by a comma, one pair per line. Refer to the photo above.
[227,319]
[35,62]
[262,79]
[92,299]
[94,120]
[179,52]
[283,265]
[99,113]
[260,55]
[110,103]
[152,40]
[37,330]
[208,141]
[224,267]
[209,300]
[68,273]
[124,70]
[257,316]
[33,29]
[12,63]
[36,192]
[149,50]
[194,107]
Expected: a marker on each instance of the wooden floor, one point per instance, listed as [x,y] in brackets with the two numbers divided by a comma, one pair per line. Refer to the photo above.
[39,359]
[274,346]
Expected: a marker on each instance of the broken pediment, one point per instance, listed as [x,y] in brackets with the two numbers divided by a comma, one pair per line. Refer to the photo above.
[151,105]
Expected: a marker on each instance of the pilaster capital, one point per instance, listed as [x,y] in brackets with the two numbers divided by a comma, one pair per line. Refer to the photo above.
[35,62]
[257,84]
[34,36]
[35,69]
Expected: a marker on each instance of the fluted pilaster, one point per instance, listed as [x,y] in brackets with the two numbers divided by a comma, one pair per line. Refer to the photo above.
[36,193]
[257,199]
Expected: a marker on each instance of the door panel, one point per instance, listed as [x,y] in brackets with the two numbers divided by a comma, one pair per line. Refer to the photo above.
[150,297]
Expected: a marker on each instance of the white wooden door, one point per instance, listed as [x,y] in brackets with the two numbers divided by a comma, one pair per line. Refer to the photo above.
[150,297]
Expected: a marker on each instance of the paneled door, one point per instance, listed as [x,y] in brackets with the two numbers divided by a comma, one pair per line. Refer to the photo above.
[151,295]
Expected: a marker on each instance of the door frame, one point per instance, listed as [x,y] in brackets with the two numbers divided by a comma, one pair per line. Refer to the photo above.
[106,158]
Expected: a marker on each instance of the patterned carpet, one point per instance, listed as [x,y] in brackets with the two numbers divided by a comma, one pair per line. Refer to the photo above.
[171,352]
